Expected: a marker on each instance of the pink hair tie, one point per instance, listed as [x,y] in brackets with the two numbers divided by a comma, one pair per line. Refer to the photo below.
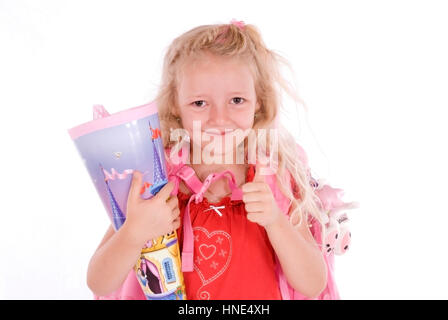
[239,24]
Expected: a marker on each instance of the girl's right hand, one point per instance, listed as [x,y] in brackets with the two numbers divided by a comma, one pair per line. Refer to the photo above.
[148,219]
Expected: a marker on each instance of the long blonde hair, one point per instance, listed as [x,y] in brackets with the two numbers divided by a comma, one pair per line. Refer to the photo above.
[233,41]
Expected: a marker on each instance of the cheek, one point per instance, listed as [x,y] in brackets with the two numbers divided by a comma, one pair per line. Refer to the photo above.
[244,119]
[188,124]
[188,119]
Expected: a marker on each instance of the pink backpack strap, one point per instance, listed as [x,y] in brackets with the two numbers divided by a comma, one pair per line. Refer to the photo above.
[287,292]
[282,282]
[188,243]
[177,170]
[330,292]
[187,174]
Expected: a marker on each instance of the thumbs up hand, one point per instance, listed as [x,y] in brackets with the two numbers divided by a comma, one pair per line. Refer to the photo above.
[259,201]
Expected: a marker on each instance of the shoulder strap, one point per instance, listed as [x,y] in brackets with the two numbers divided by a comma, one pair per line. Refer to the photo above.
[179,169]
[188,243]
[188,175]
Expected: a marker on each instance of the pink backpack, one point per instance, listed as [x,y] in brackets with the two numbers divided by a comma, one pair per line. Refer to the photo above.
[330,202]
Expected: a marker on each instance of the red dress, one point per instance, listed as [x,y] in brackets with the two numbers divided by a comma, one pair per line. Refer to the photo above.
[233,258]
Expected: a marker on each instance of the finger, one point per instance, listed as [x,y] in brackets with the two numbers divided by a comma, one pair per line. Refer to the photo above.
[175,214]
[176,224]
[254,207]
[252,197]
[252,187]
[164,193]
[172,202]
[136,184]
[252,217]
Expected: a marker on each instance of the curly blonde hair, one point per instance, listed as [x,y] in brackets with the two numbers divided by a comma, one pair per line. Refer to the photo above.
[233,41]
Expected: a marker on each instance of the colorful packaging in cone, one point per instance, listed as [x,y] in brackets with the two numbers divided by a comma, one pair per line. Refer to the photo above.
[112,147]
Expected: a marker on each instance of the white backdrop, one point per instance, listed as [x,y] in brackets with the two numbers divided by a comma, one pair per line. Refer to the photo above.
[374,75]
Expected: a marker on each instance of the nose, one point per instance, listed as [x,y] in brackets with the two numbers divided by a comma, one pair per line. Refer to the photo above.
[218,116]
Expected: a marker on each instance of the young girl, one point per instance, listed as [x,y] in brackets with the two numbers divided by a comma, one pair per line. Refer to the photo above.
[248,235]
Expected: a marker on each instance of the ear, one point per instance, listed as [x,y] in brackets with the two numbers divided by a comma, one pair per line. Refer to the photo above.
[175,112]
[257,106]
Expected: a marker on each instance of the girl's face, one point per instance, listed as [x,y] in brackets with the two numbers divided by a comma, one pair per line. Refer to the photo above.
[218,93]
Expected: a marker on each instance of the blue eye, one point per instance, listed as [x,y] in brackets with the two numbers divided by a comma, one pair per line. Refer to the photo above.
[239,99]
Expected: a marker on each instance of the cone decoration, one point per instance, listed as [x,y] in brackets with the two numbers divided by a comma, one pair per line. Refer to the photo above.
[118,216]
[159,177]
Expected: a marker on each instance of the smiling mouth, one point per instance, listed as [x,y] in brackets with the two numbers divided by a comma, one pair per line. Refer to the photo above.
[218,132]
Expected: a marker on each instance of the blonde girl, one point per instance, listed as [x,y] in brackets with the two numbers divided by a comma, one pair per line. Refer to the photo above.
[253,235]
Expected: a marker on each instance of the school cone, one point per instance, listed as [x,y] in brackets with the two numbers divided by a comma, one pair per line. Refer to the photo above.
[112,147]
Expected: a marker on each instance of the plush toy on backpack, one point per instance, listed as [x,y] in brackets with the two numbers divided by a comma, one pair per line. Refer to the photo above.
[337,236]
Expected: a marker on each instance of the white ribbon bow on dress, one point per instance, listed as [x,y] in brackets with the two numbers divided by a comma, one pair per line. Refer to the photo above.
[212,207]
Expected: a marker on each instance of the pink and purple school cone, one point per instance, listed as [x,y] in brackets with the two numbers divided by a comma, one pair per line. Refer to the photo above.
[112,147]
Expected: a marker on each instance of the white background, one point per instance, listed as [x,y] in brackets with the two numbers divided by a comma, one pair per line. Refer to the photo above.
[374,75]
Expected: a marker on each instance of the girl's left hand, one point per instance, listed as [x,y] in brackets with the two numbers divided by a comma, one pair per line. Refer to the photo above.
[259,201]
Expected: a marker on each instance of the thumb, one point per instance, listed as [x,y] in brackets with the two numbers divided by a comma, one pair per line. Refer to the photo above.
[134,191]
[259,172]
[165,192]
